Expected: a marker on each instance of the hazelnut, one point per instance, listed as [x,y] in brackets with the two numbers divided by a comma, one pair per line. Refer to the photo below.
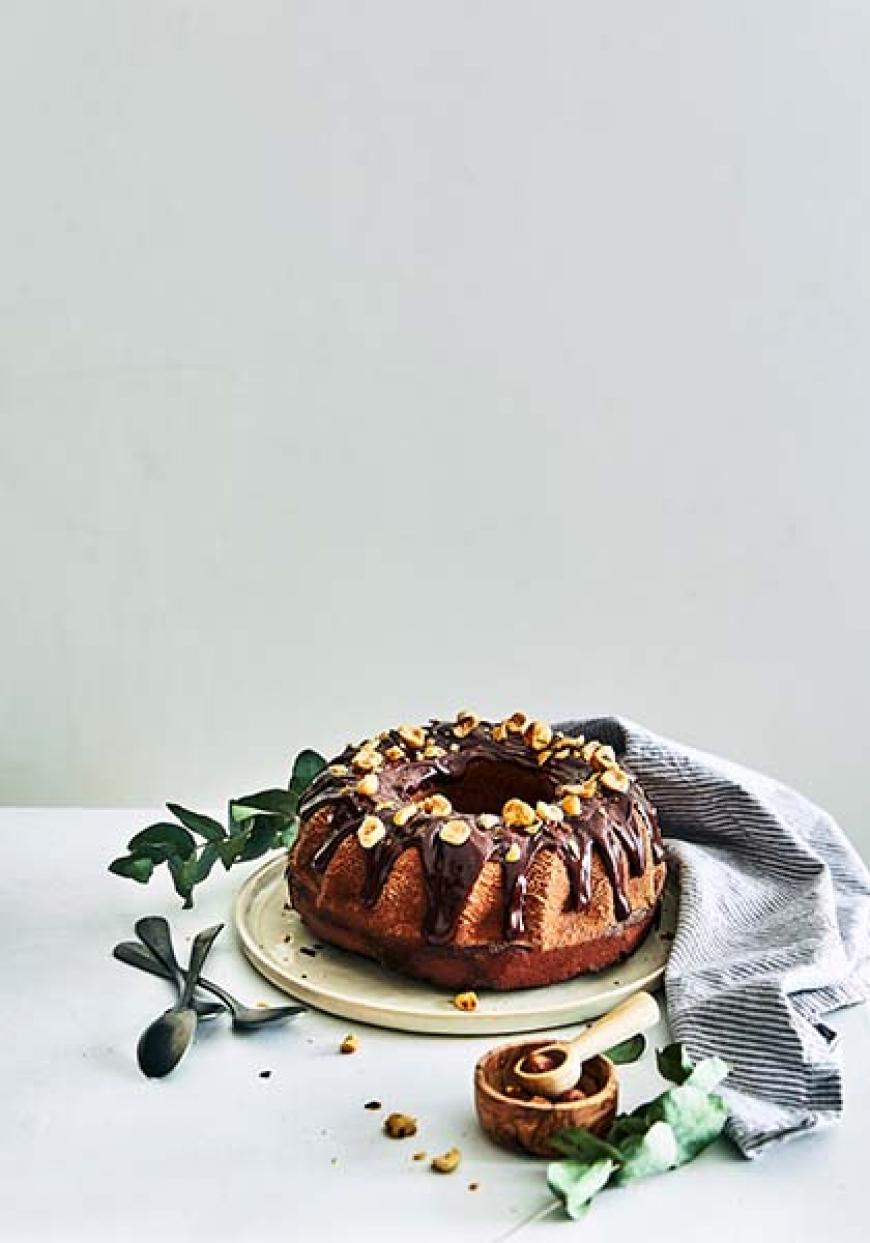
[414,735]
[538,735]
[370,832]
[537,1063]
[604,757]
[350,1044]
[367,759]
[517,812]
[465,1001]
[436,805]
[465,722]
[432,751]
[447,1162]
[571,804]
[404,814]
[549,811]
[616,779]
[368,785]
[454,746]
[400,1126]
[587,788]
[562,753]
[570,1094]
[516,723]
[544,756]
[338,770]
[488,821]
[589,748]
[513,853]
[394,753]
[455,832]
[499,732]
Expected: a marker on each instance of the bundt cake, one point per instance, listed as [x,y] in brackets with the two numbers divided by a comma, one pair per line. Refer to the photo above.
[474,854]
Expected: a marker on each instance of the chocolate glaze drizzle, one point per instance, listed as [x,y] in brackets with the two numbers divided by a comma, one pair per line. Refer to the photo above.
[618,826]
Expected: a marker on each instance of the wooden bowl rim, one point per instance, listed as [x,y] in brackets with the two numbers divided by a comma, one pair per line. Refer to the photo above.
[485,1084]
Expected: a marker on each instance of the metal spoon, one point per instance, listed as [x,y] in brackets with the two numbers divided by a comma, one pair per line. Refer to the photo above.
[162,1045]
[631,1016]
[136,955]
[245,1018]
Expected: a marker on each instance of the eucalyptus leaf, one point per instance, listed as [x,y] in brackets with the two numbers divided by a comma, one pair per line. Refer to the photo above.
[288,834]
[230,849]
[627,1051]
[183,873]
[708,1074]
[279,802]
[207,859]
[577,1142]
[306,767]
[160,841]
[674,1063]
[260,837]
[134,867]
[576,1182]
[651,1153]
[204,826]
[697,1118]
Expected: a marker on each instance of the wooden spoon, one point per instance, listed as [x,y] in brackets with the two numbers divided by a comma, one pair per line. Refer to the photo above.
[631,1016]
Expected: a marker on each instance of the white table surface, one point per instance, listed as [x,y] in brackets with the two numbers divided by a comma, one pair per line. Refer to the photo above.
[92,1150]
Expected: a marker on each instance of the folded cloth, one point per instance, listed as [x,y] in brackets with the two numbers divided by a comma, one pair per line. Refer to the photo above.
[773,930]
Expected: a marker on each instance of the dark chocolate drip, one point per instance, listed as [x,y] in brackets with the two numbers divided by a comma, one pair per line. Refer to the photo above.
[615,825]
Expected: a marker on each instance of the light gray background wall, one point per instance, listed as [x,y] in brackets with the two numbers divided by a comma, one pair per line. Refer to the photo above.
[364,360]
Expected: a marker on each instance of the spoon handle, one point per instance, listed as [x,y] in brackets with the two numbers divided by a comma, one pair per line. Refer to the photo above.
[202,943]
[631,1016]
[153,931]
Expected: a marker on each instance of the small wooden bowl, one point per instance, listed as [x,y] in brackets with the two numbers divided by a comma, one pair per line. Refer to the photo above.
[528,1125]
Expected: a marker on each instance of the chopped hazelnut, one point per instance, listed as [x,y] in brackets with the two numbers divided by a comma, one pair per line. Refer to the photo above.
[465,722]
[517,812]
[394,753]
[370,832]
[604,757]
[455,832]
[488,821]
[516,723]
[513,853]
[549,811]
[432,751]
[616,779]
[538,735]
[419,1156]
[400,1126]
[338,770]
[404,814]
[368,785]
[367,759]
[465,1001]
[572,805]
[350,1044]
[544,756]
[436,805]
[570,1094]
[447,1162]
[414,735]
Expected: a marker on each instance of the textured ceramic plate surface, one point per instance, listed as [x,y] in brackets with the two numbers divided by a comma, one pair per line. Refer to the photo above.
[275,940]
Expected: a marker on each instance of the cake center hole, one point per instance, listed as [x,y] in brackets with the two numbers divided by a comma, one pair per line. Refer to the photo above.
[486,785]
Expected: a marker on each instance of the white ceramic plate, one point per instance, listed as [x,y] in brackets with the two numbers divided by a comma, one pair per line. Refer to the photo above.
[274,939]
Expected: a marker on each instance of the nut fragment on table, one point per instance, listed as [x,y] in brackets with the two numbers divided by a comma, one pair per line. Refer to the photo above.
[466,1001]
[350,1044]
[447,1162]
[400,1126]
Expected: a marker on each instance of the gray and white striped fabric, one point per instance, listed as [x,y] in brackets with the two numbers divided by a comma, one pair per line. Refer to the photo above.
[773,930]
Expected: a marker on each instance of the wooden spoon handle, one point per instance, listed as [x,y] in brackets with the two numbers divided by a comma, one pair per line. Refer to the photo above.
[635,1014]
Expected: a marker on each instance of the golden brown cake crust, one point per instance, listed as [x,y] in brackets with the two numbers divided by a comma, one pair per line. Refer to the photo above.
[403,856]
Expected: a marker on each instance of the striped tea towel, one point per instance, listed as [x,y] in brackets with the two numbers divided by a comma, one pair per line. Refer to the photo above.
[773,930]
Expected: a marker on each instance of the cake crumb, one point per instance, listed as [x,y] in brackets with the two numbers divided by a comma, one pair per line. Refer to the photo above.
[265,1074]
[400,1126]
[350,1044]
[465,1001]
[419,1156]
[372,1105]
[473,1186]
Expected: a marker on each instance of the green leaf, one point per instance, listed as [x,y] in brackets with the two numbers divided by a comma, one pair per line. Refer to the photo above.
[628,1051]
[160,841]
[260,837]
[287,836]
[306,766]
[184,877]
[206,862]
[576,1141]
[697,1118]
[576,1182]
[135,867]
[674,1063]
[651,1153]
[205,826]
[279,802]
[231,848]
[708,1074]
